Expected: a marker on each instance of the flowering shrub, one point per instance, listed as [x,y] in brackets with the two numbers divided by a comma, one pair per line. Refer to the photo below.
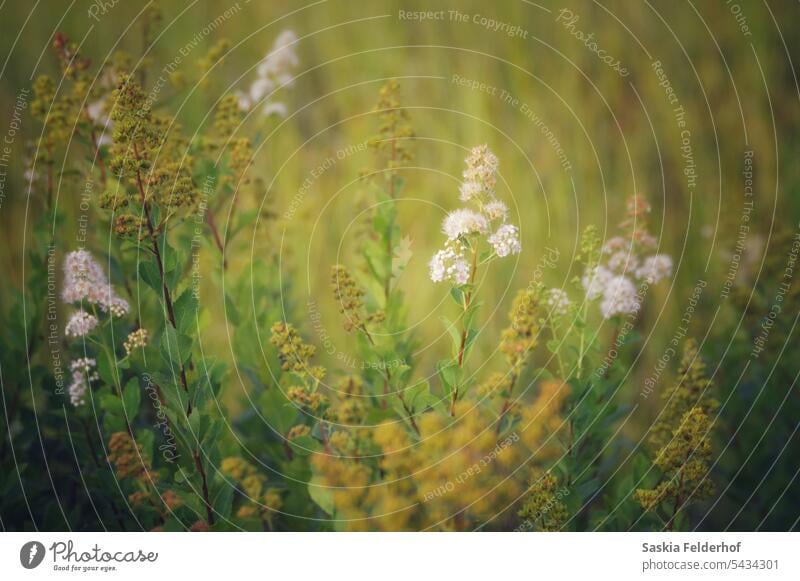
[516,422]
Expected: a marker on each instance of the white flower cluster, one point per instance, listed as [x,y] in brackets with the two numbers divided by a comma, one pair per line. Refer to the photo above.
[557,302]
[506,240]
[274,72]
[84,279]
[614,279]
[80,324]
[83,374]
[450,264]
[478,187]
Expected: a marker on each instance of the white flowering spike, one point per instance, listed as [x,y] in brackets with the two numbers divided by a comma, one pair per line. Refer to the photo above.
[480,175]
[80,324]
[557,301]
[280,61]
[84,279]
[496,210]
[450,265]
[274,71]
[506,240]
[619,298]
[464,222]
[83,374]
[655,268]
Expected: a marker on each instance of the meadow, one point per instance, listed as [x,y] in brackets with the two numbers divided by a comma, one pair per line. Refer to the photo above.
[399,266]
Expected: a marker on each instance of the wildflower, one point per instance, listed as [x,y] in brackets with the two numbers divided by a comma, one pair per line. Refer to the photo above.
[595,281]
[496,210]
[116,306]
[350,298]
[616,244]
[691,388]
[83,374]
[655,268]
[84,279]
[213,57]
[480,175]
[478,187]
[557,301]
[450,264]
[274,71]
[685,463]
[391,143]
[543,509]
[136,340]
[127,457]
[519,338]
[293,354]
[281,60]
[622,262]
[298,431]
[236,468]
[496,384]
[307,400]
[619,298]
[80,324]
[82,275]
[464,222]
[273,499]
[506,240]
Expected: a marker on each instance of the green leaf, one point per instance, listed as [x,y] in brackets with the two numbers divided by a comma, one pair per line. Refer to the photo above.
[111,404]
[458,295]
[175,349]
[223,500]
[131,397]
[231,311]
[323,496]
[148,272]
[450,375]
[277,410]
[455,334]
[186,312]
[419,397]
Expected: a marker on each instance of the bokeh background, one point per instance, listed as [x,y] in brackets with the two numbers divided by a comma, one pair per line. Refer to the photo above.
[575,139]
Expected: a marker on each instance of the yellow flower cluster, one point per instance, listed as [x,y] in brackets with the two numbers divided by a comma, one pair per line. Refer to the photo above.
[460,474]
[136,340]
[391,143]
[682,437]
[130,463]
[293,353]
[519,338]
[691,388]
[349,295]
[150,153]
[261,502]
[543,509]
[211,58]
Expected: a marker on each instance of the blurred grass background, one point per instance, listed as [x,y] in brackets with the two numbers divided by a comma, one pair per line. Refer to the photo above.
[619,134]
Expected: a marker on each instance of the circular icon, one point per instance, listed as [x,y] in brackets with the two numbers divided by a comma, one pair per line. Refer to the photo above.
[31,554]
